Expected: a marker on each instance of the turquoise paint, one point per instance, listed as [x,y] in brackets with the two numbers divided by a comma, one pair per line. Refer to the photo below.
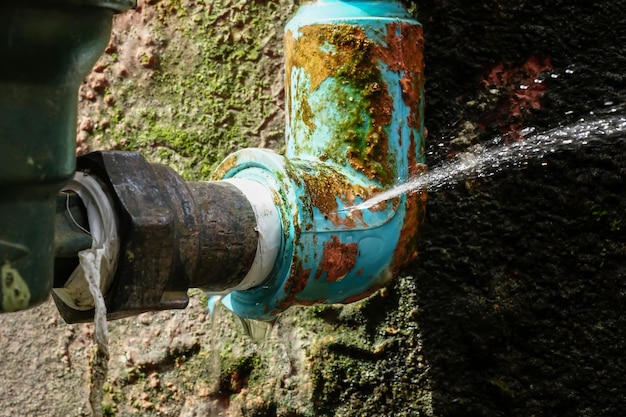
[316,148]
[331,11]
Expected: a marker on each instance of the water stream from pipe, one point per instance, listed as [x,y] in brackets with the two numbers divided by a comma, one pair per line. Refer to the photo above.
[491,159]
[215,346]
[256,330]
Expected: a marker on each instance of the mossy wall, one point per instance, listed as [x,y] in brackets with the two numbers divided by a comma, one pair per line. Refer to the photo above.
[188,82]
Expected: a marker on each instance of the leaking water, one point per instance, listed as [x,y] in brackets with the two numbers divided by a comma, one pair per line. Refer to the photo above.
[90,261]
[256,330]
[497,157]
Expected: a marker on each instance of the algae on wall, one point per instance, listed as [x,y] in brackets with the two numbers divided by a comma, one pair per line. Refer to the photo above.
[188,82]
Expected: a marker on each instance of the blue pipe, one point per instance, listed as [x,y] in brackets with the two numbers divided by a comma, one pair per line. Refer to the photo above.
[354,126]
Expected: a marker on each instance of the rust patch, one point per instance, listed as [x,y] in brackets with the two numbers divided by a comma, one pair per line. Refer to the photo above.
[337,259]
[405,43]
[325,186]
[406,248]
[361,296]
[226,165]
[311,302]
[343,51]
[295,284]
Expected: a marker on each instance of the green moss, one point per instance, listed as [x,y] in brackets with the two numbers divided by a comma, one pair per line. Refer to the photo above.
[207,98]
[367,357]
[234,376]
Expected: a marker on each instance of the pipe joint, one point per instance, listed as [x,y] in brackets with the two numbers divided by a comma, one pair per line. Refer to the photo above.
[172,236]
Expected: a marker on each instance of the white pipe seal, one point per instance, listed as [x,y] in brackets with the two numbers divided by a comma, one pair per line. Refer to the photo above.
[269,231]
[103,226]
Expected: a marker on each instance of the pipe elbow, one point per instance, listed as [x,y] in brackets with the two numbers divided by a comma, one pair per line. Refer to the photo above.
[354,127]
[329,252]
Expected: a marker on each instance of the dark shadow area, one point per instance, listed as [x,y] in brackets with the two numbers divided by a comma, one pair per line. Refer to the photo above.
[522,288]
[521,277]
[567,57]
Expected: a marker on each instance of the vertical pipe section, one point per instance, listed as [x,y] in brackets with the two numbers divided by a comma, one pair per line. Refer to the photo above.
[354,106]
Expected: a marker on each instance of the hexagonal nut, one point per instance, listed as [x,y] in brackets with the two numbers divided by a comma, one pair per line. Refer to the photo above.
[150,274]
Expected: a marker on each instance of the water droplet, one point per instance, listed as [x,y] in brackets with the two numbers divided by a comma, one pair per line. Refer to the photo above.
[213,304]
[257,330]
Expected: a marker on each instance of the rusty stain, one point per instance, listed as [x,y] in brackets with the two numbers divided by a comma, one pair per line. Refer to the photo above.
[337,259]
[311,302]
[353,60]
[403,53]
[406,248]
[225,166]
[325,186]
[294,285]
[363,295]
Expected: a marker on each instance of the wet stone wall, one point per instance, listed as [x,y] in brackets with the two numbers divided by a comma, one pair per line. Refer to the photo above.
[521,278]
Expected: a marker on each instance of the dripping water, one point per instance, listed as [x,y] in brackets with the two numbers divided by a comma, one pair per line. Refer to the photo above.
[497,157]
[90,261]
[256,330]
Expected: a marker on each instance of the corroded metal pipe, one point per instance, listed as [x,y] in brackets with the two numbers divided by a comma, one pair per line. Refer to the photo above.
[354,104]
